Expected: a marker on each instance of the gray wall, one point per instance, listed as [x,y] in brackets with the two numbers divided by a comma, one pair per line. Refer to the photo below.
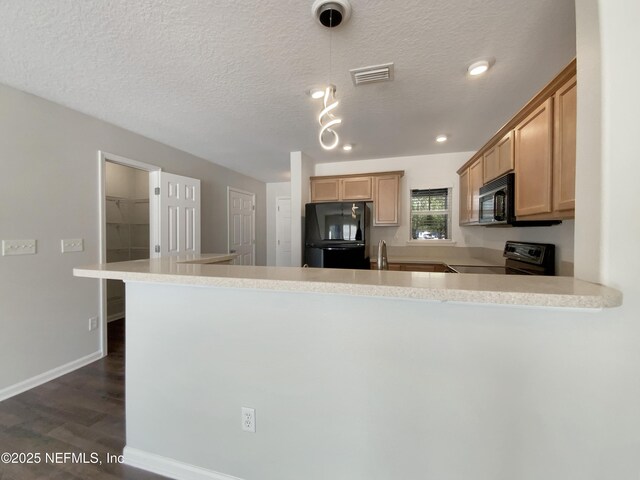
[49,191]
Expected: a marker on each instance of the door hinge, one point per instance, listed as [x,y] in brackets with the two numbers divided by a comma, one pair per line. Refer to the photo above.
[253,207]
[157,191]
[157,249]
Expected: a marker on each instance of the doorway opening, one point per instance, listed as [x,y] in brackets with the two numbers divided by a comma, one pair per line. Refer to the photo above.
[128,226]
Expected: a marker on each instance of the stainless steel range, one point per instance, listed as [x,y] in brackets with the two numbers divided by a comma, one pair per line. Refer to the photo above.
[521,259]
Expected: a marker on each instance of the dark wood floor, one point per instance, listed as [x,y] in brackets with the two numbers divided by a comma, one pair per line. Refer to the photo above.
[80,413]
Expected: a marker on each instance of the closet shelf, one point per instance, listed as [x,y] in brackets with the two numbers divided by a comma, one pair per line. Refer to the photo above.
[111,198]
[125,232]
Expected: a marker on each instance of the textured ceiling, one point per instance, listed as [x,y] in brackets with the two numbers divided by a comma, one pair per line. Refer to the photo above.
[226,79]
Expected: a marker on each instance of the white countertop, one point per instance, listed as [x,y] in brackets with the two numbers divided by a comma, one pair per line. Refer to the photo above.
[201,270]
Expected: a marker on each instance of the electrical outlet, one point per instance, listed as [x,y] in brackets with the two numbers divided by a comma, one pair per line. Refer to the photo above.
[72,245]
[248,419]
[18,247]
[93,323]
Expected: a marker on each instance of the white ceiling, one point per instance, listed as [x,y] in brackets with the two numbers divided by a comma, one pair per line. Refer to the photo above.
[226,79]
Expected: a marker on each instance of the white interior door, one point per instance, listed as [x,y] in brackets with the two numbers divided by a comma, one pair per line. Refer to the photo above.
[179,207]
[242,226]
[283,232]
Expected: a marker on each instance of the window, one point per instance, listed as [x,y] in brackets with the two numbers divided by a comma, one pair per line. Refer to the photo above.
[430,214]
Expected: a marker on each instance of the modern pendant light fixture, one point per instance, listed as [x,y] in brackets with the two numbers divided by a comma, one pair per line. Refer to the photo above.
[328,137]
[330,14]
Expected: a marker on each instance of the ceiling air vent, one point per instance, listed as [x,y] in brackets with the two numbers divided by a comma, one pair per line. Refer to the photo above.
[373,74]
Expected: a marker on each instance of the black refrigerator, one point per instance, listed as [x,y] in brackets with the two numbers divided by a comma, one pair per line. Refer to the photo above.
[335,235]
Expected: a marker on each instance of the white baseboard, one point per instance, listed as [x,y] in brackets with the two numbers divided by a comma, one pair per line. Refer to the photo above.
[45,377]
[169,467]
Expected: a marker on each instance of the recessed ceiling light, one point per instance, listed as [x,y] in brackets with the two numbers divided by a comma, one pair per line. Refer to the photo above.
[478,68]
[347,147]
[441,138]
[316,92]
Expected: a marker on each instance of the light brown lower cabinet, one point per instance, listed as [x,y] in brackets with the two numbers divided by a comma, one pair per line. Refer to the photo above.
[414,267]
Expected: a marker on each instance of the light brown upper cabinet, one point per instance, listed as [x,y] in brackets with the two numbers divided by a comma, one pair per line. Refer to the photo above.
[491,164]
[325,189]
[546,158]
[465,198]
[383,188]
[564,153]
[539,144]
[385,201]
[475,182]
[356,188]
[498,160]
[470,183]
[533,159]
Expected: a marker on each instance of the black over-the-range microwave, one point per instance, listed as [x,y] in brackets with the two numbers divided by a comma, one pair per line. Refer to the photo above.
[497,205]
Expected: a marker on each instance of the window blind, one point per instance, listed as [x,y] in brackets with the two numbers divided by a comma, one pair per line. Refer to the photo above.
[430,214]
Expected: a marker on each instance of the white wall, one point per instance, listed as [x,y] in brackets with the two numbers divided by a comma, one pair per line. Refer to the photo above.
[49,191]
[436,171]
[302,169]
[589,163]
[274,190]
[620,230]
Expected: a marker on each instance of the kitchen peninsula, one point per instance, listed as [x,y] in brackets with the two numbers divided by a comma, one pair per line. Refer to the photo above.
[207,270]
[335,363]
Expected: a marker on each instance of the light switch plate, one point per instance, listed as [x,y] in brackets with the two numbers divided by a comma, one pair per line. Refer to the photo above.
[18,247]
[72,245]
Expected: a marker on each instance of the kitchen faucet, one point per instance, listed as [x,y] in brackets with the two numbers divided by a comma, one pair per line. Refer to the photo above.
[382,256]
